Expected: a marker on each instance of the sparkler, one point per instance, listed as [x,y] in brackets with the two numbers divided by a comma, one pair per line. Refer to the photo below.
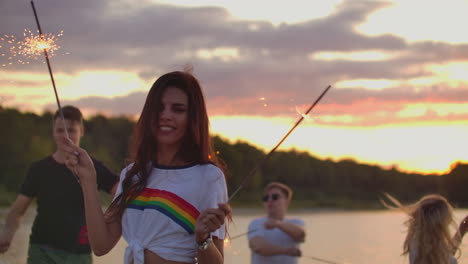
[30,48]
[44,47]
[301,113]
[320,259]
[227,241]
[260,164]
[243,234]
[33,45]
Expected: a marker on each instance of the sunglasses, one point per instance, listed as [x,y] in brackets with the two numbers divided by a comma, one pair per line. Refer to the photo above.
[273,196]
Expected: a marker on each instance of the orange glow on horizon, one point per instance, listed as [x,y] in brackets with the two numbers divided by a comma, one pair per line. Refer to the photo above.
[422,148]
[400,98]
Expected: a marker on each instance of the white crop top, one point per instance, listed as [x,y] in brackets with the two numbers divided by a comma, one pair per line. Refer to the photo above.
[162,218]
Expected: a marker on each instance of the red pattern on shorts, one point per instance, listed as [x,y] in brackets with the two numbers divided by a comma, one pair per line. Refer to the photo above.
[83,236]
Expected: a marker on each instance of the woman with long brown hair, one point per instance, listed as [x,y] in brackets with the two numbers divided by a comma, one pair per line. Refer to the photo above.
[171,203]
[428,240]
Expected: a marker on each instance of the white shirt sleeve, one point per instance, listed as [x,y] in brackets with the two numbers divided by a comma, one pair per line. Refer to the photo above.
[119,187]
[255,229]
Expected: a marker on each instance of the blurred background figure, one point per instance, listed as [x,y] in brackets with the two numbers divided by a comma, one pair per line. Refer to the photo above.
[275,239]
[59,233]
[429,240]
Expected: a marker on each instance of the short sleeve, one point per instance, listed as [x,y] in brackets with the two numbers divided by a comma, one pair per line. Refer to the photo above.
[106,179]
[119,187]
[216,193]
[255,229]
[30,186]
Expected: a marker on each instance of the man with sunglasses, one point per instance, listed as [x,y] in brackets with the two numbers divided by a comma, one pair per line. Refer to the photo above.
[275,239]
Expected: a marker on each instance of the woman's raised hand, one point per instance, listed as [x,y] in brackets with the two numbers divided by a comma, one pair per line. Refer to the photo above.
[78,161]
[210,220]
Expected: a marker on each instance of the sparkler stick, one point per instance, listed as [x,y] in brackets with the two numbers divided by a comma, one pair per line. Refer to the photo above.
[46,55]
[307,257]
[320,259]
[243,234]
[260,164]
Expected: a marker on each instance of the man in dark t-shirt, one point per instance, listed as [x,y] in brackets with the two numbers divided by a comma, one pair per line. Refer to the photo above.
[59,233]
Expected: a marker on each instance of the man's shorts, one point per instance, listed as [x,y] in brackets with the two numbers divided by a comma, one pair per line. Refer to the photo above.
[38,254]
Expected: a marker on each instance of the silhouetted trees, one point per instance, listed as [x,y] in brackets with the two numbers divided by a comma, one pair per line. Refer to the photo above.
[26,137]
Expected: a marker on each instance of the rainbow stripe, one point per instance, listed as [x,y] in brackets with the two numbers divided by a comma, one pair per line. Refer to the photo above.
[173,206]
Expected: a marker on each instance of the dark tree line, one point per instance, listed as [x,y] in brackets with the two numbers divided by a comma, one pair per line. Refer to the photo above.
[26,137]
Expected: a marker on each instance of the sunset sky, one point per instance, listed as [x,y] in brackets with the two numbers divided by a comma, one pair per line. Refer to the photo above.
[398,69]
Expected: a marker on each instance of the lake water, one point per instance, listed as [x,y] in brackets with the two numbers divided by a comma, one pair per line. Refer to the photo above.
[356,237]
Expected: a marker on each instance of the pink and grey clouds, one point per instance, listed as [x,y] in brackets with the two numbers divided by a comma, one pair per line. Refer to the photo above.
[271,61]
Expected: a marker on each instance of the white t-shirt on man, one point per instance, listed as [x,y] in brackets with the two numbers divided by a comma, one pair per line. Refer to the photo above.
[276,237]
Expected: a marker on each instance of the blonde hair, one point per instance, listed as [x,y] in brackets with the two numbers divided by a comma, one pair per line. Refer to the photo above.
[428,229]
[283,188]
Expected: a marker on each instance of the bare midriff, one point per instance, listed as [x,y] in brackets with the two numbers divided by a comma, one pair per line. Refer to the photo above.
[153,258]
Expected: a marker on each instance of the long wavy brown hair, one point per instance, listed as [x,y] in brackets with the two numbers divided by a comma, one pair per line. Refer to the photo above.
[428,229]
[196,144]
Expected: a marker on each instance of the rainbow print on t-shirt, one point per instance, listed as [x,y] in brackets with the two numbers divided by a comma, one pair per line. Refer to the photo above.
[173,206]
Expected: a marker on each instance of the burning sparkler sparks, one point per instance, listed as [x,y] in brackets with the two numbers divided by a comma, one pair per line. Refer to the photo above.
[300,111]
[263,99]
[230,249]
[260,163]
[31,47]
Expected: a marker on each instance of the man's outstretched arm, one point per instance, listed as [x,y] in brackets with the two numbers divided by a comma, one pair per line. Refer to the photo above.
[13,220]
[296,232]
